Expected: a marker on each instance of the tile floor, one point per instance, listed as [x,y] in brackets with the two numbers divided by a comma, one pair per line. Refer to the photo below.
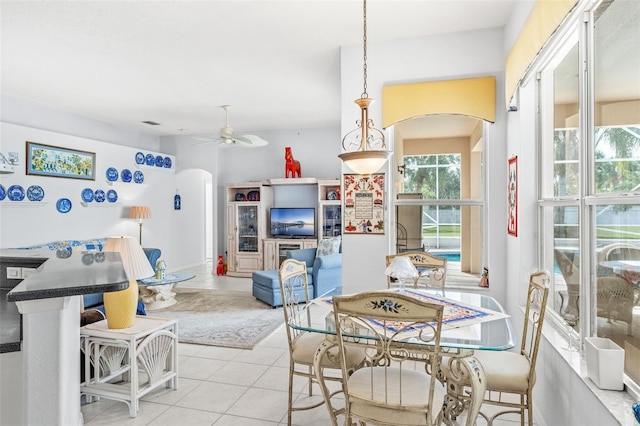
[222,386]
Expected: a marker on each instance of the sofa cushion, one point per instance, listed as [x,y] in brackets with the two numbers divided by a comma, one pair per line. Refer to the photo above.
[328,246]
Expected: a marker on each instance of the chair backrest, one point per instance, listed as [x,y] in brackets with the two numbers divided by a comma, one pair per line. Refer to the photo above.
[569,265]
[620,251]
[435,266]
[535,309]
[399,329]
[294,290]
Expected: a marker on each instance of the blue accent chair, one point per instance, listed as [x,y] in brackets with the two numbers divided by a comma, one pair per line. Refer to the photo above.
[324,272]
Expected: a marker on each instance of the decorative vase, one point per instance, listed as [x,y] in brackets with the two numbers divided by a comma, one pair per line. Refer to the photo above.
[120,306]
[605,363]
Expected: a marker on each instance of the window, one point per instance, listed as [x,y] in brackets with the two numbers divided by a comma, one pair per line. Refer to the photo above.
[440,196]
[590,178]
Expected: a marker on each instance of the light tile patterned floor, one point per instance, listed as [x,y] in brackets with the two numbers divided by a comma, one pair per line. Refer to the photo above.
[222,386]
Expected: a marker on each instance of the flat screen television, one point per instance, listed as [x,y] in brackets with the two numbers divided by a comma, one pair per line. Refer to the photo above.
[293,222]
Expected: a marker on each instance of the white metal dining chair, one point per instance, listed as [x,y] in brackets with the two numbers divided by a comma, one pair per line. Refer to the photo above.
[302,344]
[435,267]
[515,372]
[394,387]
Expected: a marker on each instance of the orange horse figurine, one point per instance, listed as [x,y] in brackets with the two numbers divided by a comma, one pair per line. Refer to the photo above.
[291,165]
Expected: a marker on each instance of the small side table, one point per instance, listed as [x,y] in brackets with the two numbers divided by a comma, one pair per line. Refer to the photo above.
[157,294]
[129,363]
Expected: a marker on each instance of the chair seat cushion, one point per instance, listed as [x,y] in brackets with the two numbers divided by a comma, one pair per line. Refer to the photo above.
[504,370]
[304,349]
[413,394]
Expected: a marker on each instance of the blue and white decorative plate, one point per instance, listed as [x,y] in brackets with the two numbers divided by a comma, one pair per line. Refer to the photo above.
[125,175]
[100,196]
[112,196]
[167,162]
[150,160]
[35,193]
[138,176]
[139,158]
[15,193]
[160,161]
[63,205]
[332,195]
[87,195]
[3,193]
[112,174]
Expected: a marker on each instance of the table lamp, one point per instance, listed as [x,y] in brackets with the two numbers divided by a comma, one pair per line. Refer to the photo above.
[120,306]
[402,269]
[140,212]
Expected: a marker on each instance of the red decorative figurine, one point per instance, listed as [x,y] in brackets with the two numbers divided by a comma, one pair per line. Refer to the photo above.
[220,267]
[291,165]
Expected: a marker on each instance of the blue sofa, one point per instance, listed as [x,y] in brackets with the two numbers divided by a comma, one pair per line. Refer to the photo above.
[324,272]
[324,277]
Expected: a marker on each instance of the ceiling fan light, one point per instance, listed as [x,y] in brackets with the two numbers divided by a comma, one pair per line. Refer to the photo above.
[365,162]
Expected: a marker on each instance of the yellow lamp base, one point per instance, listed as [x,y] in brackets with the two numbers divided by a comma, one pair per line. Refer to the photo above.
[120,306]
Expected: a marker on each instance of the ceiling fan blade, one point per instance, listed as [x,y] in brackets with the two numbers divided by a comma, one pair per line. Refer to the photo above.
[202,141]
[251,141]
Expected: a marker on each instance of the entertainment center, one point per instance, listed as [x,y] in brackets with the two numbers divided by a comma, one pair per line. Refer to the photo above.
[265,219]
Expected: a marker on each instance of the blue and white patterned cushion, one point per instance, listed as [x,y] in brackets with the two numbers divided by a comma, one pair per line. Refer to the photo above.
[328,246]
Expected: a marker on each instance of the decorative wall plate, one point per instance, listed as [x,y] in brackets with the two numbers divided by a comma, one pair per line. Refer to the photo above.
[35,193]
[112,174]
[15,193]
[100,196]
[160,161]
[150,160]
[112,196]
[139,158]
[138,176]
[125,175]
[63,205]
[87,195]
[167,162]
[3,193]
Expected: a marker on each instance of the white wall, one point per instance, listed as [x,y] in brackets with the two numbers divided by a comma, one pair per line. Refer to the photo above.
[443,57]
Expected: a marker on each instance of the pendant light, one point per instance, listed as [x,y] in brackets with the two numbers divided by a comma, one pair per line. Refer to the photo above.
[365,147]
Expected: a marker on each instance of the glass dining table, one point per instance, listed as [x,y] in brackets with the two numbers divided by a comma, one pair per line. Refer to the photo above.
[471,322]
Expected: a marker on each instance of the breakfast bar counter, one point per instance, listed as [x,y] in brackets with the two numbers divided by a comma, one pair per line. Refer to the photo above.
[49,299]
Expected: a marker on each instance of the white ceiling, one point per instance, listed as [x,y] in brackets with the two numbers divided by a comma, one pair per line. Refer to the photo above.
[175,62]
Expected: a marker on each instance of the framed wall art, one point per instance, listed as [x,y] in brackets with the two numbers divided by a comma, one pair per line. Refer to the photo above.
[363,204]
[512,190]
[55,161]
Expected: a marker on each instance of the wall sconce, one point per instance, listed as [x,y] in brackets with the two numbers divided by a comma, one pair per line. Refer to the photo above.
[401,169]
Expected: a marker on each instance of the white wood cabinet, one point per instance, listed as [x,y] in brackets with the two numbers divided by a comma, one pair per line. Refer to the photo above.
[275,249]
[329,208]
[246,227]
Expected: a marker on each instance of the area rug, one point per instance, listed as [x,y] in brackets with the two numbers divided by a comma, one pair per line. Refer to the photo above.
[233,319]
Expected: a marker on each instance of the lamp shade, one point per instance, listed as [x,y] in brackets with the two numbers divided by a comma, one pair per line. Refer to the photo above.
[121,306]
[402,268]
[135,262]
[365,162]
[140,212]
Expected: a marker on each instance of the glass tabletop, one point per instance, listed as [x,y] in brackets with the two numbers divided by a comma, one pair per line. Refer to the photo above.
[494,333]
[173,278]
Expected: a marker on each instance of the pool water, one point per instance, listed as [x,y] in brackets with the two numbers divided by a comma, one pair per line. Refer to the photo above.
[451,256]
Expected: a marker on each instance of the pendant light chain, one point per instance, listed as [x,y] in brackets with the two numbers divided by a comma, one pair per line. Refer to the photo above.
[364,95]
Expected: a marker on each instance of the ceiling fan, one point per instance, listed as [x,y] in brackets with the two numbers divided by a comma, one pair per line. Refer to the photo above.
[228,139]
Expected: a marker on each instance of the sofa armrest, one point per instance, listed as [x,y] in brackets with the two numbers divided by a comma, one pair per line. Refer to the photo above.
[328,261]
[303,255]
[153,254]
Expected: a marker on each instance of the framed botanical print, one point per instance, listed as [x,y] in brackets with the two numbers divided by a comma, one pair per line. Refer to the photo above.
[512,190]
[363,204]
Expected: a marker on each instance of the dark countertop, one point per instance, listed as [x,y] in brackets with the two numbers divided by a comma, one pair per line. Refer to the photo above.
[58,274]
[70,274]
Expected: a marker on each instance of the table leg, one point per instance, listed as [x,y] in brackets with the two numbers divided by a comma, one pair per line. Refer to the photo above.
[464,371]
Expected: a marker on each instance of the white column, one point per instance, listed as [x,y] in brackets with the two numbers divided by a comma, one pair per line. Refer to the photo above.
[51,361]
